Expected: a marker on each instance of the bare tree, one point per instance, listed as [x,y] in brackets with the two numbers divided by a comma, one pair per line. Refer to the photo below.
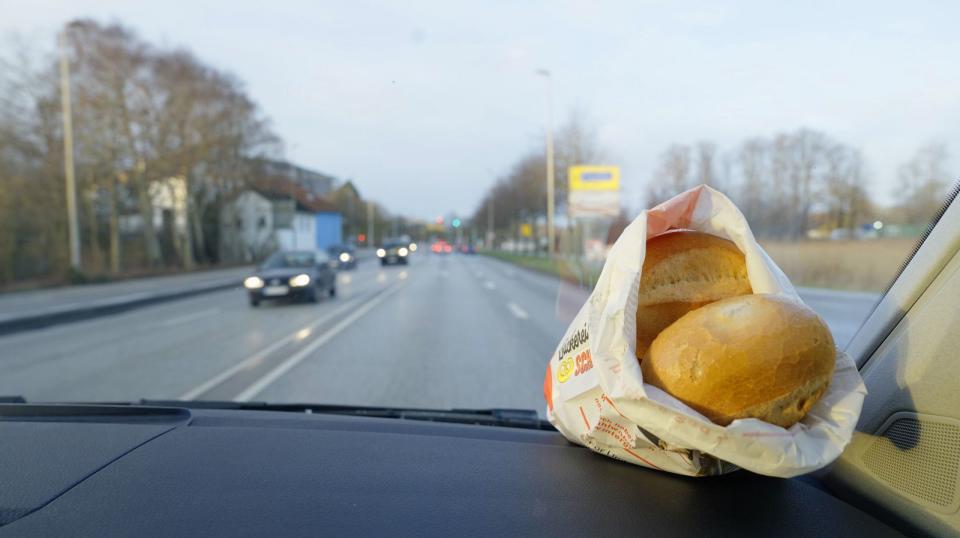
[706,167]
[576,144]
[845,194]
[145,119]
[672,175]
[923,182]
[753,160]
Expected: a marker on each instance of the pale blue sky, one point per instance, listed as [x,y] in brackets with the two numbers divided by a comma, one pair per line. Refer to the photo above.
[422,102]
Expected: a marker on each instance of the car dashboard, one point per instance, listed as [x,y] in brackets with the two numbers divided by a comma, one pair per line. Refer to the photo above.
[142,471]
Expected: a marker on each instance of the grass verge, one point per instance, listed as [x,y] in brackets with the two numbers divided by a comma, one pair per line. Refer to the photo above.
[569,270]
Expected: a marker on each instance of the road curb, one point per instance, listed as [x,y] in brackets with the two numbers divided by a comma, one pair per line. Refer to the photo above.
[48,319]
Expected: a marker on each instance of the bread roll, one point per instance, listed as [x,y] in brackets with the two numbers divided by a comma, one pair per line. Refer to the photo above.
[684,270]
[762,356]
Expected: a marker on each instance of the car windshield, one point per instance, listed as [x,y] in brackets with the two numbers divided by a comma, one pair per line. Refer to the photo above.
[281,260]
[455,175]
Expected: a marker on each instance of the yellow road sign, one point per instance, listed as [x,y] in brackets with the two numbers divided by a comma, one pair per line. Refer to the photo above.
[590,177]
[526,230]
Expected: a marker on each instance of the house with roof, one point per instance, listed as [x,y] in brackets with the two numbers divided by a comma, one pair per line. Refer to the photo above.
[279,215]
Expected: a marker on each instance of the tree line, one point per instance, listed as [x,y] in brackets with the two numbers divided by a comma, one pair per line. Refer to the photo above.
[794,182]
[787,185]
[146,119]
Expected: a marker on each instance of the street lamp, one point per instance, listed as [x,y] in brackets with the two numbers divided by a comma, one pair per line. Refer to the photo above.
[549,134]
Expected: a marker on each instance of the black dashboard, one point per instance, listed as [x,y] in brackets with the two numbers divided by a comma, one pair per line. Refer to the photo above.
[145,471]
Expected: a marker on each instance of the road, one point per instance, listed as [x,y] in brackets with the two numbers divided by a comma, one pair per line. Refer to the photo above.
[445,331]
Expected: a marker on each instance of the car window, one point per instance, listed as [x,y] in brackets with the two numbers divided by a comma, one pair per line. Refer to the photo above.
[289,259]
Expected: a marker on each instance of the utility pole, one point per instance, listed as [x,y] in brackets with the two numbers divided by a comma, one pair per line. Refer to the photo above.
[549,134]
[370,223]
[71,187]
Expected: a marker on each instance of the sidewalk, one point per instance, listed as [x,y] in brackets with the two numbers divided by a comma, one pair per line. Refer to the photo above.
[41,308]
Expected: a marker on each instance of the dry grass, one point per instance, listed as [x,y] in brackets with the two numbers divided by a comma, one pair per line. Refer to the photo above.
[867,265]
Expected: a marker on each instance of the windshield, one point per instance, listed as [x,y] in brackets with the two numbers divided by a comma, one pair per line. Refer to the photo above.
[281,260]
[455,175]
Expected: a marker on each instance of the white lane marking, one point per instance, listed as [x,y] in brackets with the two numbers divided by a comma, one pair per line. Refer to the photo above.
[257,357]
[490,285]
[517,311]
[258,386]
[189,317]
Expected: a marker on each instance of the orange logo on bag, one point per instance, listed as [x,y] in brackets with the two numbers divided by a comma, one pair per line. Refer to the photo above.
[584,363]
[565,370]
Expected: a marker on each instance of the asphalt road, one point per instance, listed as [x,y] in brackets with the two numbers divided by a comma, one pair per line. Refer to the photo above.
[445,331]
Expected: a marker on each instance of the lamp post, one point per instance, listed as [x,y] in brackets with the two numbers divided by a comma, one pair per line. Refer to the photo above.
[549,141]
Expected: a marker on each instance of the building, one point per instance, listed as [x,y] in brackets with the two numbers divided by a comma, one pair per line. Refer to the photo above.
[277,216]
[312,182]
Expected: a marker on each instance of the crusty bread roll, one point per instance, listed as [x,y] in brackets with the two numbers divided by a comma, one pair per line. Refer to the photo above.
[762,356]
[684,270]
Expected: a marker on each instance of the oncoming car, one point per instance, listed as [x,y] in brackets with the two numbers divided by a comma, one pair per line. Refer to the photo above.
[302,274]
[394,252]
[344,255]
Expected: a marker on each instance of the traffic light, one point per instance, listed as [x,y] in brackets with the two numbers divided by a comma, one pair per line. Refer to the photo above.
[456,223]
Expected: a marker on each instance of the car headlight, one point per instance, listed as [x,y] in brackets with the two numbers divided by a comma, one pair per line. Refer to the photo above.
[381,253]
[344,257]
[300,280]
[253,283]
[413,247]
[403,251]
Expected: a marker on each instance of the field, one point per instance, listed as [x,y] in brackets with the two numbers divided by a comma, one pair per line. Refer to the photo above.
[867,265]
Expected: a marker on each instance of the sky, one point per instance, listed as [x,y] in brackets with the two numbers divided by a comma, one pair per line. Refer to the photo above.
[424,104]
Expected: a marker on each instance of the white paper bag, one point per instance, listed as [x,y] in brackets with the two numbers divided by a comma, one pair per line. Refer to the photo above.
[595,392]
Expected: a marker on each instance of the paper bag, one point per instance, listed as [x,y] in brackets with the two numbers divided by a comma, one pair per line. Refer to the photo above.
[595,392]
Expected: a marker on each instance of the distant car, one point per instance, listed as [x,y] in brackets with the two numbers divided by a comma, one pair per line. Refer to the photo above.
[394,252]
[467,249]
[441,247]
[344,255]
[301,274]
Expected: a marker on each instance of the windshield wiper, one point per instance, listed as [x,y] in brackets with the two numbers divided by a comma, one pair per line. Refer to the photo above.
[503,417]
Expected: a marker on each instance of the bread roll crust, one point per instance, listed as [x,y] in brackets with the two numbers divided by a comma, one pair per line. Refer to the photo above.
[762,356]
[684,270]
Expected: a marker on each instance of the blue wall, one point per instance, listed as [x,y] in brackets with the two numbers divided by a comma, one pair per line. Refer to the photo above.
[329,229]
